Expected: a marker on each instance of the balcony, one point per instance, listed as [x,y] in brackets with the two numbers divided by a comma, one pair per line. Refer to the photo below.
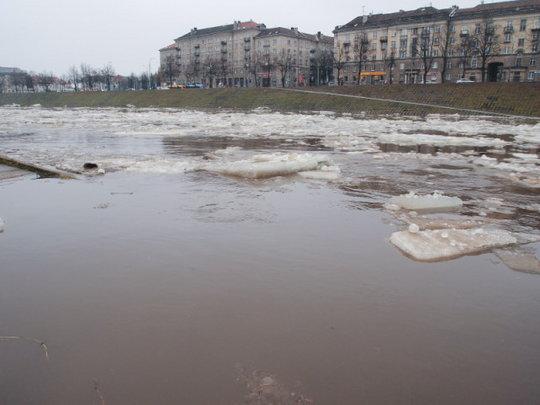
[247,49]
[508,29]
[383,39]
[224,51]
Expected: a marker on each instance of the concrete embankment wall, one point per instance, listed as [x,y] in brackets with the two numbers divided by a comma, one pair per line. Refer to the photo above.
[520,99]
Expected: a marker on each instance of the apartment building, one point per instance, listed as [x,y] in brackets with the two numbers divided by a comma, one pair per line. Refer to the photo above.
[246,54]
[490,42]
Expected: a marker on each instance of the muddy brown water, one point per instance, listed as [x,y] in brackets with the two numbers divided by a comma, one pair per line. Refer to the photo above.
[151,285]
[163,295]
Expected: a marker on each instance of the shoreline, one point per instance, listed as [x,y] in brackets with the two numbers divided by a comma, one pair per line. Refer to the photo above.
[512,100]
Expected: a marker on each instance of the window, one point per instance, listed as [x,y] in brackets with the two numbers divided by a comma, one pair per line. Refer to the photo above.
[532,75]
[523,25]
[477,29]
[449,64]
[532,62]
[535,48]
[415,31]
[507,37]
[438,29]
[518,62]
[393,46]
[435,65]
[474,63]
[401,66]
[521,42]
[403,43]
[402,54]
[448,76]
[435,52]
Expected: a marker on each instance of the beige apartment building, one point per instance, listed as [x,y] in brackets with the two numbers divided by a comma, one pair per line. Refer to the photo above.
[493,42]
[246,54]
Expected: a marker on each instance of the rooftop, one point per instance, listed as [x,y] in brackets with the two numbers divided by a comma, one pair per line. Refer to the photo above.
[237,25]
[432,14]
[294,33]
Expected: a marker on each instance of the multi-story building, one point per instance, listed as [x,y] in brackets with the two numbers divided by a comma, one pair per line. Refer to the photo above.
[489,42]
[246,54]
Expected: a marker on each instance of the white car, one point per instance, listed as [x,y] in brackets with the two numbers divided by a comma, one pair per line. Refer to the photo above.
[464,80]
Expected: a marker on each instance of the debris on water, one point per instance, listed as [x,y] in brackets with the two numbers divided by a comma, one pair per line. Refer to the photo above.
[435,245]
[264,388]
[431,202]
[90,166]
[102,206]
[413,228]
[2,225]
[101,171]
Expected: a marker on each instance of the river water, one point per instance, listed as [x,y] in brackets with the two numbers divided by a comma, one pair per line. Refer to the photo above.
[191,273]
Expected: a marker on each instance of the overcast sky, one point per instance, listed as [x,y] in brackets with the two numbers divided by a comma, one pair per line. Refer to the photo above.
[51,35]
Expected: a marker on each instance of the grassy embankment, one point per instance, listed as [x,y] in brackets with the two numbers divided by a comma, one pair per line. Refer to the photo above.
[506,98]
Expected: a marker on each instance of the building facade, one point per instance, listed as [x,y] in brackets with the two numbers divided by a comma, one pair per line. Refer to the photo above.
[246,54]
[489,42]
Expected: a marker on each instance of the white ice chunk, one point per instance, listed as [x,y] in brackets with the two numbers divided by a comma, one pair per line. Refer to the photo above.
[434,245]
[325,173]
[433,201]
[439,140]
[269,165]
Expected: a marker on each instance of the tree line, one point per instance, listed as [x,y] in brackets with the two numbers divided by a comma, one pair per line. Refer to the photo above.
[78,78]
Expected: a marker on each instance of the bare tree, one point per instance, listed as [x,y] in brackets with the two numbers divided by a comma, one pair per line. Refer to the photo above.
[428,43]
[446,47]
[45,80]
[74,77]
[210,69]
[87,76]
[224,68]
[486,43]
[390,62]
[322,64]
[339,62]
[107,73]
[283,64]
[171,69]
[467,47]
[360,50]
[267,67]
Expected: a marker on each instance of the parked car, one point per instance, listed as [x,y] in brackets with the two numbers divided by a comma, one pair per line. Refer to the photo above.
[464,80]
[194,86]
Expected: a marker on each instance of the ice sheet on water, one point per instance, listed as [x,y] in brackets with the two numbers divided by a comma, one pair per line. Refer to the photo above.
[444,244]
[439,140]
[524,260]
[417,202]
[268,165]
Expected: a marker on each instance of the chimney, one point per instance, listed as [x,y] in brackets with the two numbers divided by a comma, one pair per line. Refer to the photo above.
[319,34]
[364,19]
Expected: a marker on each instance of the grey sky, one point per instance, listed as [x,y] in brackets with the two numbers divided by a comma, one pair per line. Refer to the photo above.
[52,35]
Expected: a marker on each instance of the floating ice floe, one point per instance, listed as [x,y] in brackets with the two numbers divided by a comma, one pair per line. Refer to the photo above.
[269,165]
[325,173]
[439,140]
[443,244]
[431,202]
[523,261]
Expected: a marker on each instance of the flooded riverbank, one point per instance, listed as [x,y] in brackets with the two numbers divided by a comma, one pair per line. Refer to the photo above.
[189,273]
